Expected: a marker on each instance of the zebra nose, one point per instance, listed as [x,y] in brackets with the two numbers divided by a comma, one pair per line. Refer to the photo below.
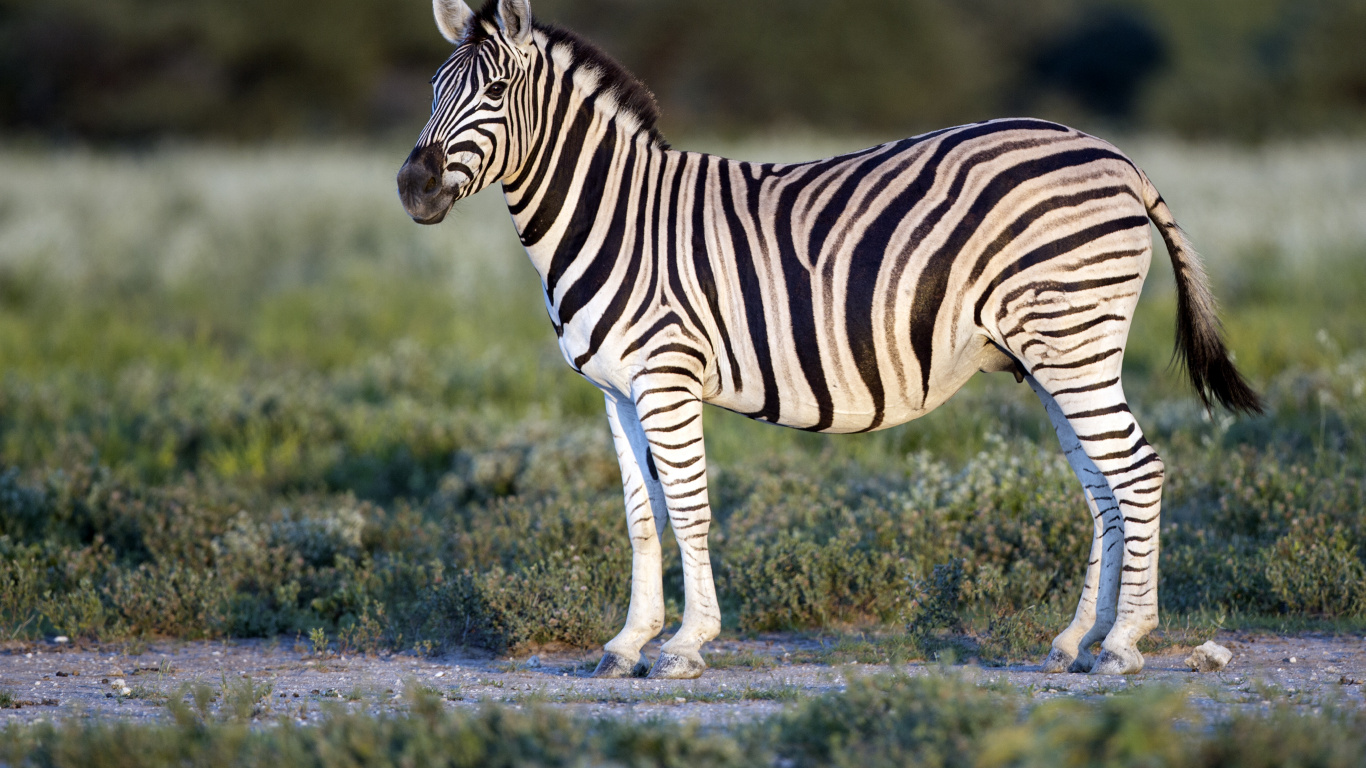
[419,182]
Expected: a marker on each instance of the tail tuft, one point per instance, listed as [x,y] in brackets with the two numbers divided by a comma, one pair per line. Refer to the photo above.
[1200,349]
[1199,335]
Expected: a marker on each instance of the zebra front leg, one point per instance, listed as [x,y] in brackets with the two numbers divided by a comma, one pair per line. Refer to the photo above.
[671,415]
[645,516]
[1095,613]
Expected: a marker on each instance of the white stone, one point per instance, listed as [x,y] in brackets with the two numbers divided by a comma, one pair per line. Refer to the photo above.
[1210,657]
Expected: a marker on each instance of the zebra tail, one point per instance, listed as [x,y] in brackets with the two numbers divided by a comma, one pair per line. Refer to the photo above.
[1199,334]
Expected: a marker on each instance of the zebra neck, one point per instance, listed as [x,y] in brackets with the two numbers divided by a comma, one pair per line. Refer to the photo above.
[587,206]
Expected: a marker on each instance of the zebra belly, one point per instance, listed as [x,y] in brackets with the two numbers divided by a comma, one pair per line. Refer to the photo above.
[850,414]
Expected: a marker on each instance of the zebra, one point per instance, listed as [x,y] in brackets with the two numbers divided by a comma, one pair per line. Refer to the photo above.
[848,294]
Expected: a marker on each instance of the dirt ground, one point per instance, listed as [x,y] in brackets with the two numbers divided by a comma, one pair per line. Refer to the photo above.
[55,681]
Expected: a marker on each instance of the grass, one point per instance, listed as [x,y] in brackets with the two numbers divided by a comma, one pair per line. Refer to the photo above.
[741,660]
[889,720]
[785,693]
[242,395]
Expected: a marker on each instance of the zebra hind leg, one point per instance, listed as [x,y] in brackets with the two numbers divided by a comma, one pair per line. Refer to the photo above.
[1095,613]
[1111,439]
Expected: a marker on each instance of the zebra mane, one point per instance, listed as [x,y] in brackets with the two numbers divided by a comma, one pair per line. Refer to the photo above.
[631,95]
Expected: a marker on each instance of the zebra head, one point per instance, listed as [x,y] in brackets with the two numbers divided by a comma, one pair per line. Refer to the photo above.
[468,143]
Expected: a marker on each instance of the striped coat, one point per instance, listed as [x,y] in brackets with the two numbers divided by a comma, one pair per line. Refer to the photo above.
[841,295]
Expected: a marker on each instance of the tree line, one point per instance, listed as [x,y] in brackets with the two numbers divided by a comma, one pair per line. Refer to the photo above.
[134,70]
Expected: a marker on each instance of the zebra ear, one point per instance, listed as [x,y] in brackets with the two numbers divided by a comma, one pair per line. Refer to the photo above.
[452,16]
[514,17]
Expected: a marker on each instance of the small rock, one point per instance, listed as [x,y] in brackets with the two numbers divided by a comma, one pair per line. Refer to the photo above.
[680,700]
[1210,657]
[533,662]
[59,639]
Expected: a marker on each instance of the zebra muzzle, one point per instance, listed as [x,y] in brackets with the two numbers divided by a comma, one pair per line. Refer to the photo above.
[420,188]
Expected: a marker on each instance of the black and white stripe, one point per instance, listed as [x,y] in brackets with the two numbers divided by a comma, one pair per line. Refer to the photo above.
[842,295]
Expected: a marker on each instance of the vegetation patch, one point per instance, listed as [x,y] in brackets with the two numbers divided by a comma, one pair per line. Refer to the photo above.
[242,396]
[885,720]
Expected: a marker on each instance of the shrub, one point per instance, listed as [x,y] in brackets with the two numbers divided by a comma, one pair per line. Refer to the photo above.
[241,395]
[893,720]
[571,598]
[1314,571]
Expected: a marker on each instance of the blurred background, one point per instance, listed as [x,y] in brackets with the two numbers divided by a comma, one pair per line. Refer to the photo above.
[242,394]
[135,70]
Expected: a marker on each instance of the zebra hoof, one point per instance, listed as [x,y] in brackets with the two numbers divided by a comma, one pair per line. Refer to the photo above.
[1125,662]
[1083,663]
[671,667]
[1057,661]
[616,665]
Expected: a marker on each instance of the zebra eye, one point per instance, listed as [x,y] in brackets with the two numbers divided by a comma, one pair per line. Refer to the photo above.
[494,90]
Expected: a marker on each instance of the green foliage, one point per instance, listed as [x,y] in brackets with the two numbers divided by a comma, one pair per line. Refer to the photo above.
[567,598]
[1272,536]
[1316,573]
[742,660]
[242,697]
[937,609]
[138,70]
[894,720]
[890,720]
[1332,740]
[1019,636]
[241,395]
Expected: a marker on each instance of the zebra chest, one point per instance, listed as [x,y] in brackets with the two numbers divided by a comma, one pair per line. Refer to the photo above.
[611,357]
[596,359]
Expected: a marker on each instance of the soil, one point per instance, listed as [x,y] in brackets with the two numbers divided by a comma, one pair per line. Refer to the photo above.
[52,681]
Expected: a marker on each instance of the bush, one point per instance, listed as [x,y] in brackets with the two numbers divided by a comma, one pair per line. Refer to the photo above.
[241,395]
[890,720]
[893,720]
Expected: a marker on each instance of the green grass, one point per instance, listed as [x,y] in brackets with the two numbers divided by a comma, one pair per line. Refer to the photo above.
[742,660]
[242,395]
[889,720]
